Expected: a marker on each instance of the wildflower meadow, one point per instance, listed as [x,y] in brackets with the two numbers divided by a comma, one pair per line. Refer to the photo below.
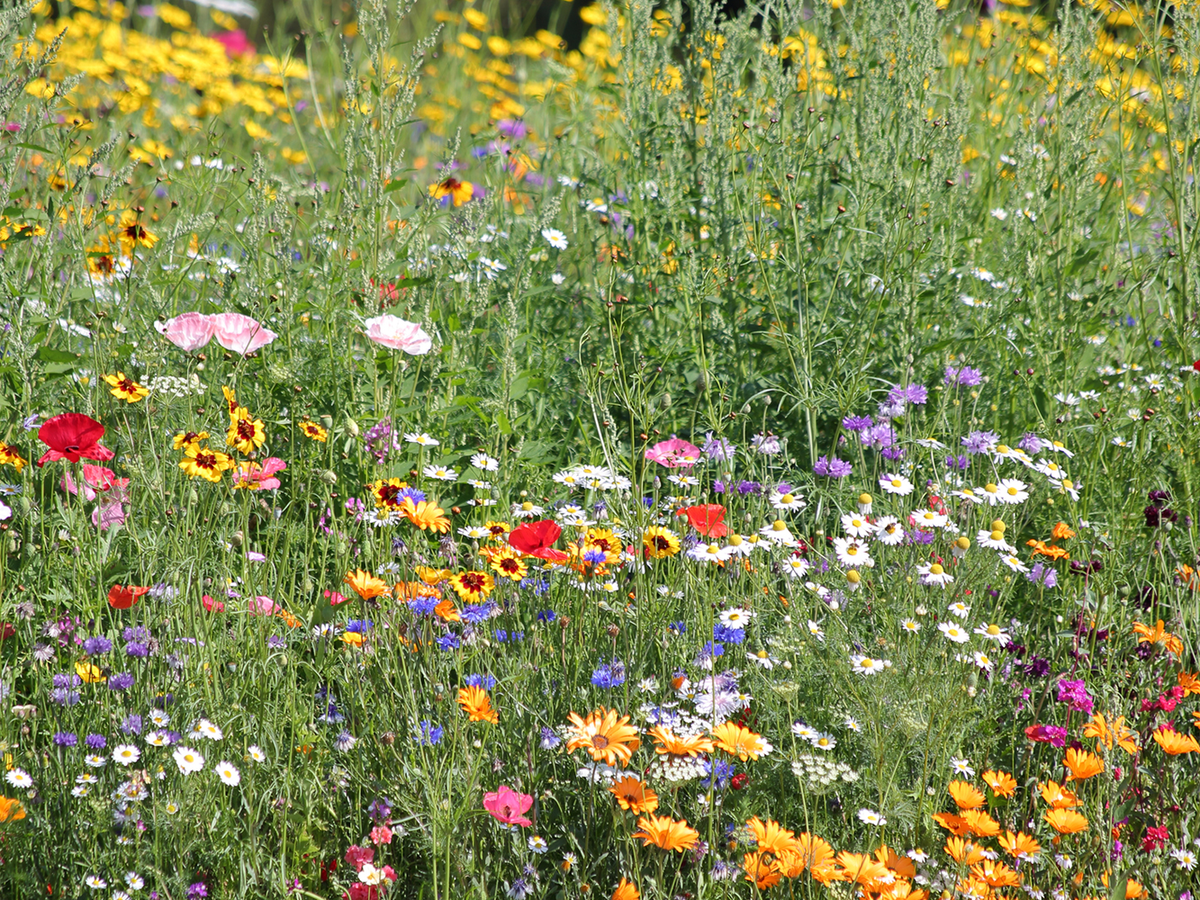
[477,449]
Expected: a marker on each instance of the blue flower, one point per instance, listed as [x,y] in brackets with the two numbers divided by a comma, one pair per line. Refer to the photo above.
[427,734]
[487,682]
[609,675]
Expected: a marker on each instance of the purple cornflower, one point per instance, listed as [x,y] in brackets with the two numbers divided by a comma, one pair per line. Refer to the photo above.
[131,725]
[878,436]
[94,646]
[981,441]
[717,448]
[964,377]
[766,444]
[65,739]
[122,681]
[915,394]
[487,682]
[275,642]
[427,734]
[549,740]
[749,487]
[1032,444]
[857,423]
[893,452]
[197,891]
[832,468]
[1044,575]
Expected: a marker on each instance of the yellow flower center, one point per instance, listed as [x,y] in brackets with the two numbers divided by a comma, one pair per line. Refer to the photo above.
[896,482]
[1001,448]
[997,535]
[787,498]
[713,548]
[864,499]
[964,543]
[779,525]
[990,488]
[853,577]
[1012,492]
[867,663]
[736,540]
[526,506]
[998,525]
[993,629]
[936,569]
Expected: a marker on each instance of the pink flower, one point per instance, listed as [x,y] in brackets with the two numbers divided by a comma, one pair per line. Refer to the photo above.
[507,806]
[262,606]
[107,514]
[335,598]
[674,454]
[358,856]
[396,333]
[189,331]
[240,334]
[213,605]
[259,477]
[381,834]
[234,42]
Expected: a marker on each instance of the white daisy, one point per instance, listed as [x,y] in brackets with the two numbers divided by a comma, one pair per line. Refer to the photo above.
[962,767]
[928,518]
[485,463]
[1013,491]
[789,501]
[777,533]
[18,778]
[982,660]
[804,731]
[255,753]
[763,659]
[555,238]
[959,609]
[423,439]
[954,632]
[188,760]
[896,484]
[994,540]
[870,817]
[1014,562]
[710,553]
[823,741]
[736,618]
[126,754]
[795,566]
[228,773]
[857,526]
[910,625]
[934,574]
[815,630]
[475,532]
[993,632]
[440,473]
[888,531]
[866,665]
[852,552]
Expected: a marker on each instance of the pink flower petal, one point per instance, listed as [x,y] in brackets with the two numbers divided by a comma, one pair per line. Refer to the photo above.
[241,334]
[398,334]
[189,331]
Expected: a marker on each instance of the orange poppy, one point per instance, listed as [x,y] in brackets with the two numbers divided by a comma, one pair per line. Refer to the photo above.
[1003,784]
[740,741]
[634,795]
[606,737]
[1082,764]
[124,596]
[477,705]
[965,795]
[1065,821]
[665,832]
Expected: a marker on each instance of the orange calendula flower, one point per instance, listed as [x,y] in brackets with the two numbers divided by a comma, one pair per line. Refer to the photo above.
[425,515]
[740,741]
[980,823]
[1041,548]
[667,743]
[1107,735]
[10,457]
[459,192]
[1061,532]
[966,796]
[605,735]
[476,703]
[811,852]
[11,810]
[447,612]
[770,836]
[472,587]
[1001,783]
[1082,764]
[1133,889]
[626,890]
[1158,635]
[762,869]
[1188,681]
[1174,743]
[861,868]
[125,388]
[432,576]
[665,832]
[634,795]
[956,825]
[995,874]
[1065,821]
[366,585]
[1020,845]
[964,852]
[353,638]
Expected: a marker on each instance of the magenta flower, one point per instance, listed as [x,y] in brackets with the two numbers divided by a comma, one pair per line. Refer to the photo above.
[189,331]
[397,334]
[507,806]
[1053,735]
[674,454]
[259,476]
[240,334]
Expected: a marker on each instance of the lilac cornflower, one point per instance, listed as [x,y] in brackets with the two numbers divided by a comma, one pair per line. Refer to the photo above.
[832,468]
[609,675]
[64,697]
[959,462]
[894,452]
[916,394]
[94,646]
[65,739]
[766,444]
[31,423]
[917,536]
[122,681]
[99,741]
[275,642]
[964,377]
[1042,574]
[427,734]
[1032,444]
[878,436]
[549,740]
[749,487]
[539,586]
[981,441]
[137,650]
[719,487]
[857,423]
[131,725]
[717,448]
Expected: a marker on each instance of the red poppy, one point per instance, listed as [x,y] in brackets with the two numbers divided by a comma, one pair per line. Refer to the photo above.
[212,605]
[121,596]
[71,436]
[708,519]
[535,538]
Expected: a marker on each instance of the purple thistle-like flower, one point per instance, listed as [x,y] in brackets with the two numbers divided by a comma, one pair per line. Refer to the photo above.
[1032,444]
[65,739]
[879,436]
[916,394]
[717,448]
[749,487]
[892,453]
[857,423]
[1043,574]
[97,645]
[122,681]
[964,377]
[99,741]
[959,462]
[832,468]
[981,441]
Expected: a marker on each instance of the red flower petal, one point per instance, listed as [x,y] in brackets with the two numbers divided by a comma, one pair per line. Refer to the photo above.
[535,536]
[708,519]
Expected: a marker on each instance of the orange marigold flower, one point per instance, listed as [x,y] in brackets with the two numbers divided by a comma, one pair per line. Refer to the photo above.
[811,852]
[477,705]
[1133,889]
[634,795]
[626,890]
[1190,683]
[1065,821]
[11,810]
[447,612]
[667,743]
[1001,783]
[1058,796]
[1174,743]
[1061,532]
[1082,764]
[1020,845]
[411,590]
[366,585]
[425,515]
[1106,735]
[953,823]
[665,832]
[981,823]
[762,869]
[995,874]
[740,741]
[861,868]
[901,865]
[966,796]
[606,737]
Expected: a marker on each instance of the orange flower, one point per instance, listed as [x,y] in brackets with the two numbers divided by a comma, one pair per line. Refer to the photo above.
[11,810]
[432,577]
[1065,821]
[1082,764]
[365,584]
[1157,635]
[670,744]
[477,705]
[995,874]
[1133,889]
[740,741]
[762,870]
[1190,683]
[1058,796]
[1020,845]
[1175,743]
[861,869]
[665,832]
[472,587]
[1107,735]
[1186,576]
[447,612]
[981,823]
[901,865]
[1061,532]
[634,795]
[965,795]
[952,823]
[771,837]
[964,851]
[411,590]
[1041,548]
[809,851]
[626,890]
[606,738]
[1003,784]
[425,515]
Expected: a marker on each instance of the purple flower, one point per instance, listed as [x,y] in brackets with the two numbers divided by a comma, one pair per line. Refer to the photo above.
[379,809]
[1075,694]
[99,741]
[609,675]
[892,453]
[65,739]
[832,468]
[131,725]
[717,448]
[981,441]
[959,462]
[1044,575]
[122,681]
[964,377]
[449,642]
[916,394]
[549,740]
[857,423]
[1032,444]
[197,891]
[94,646]
[766,444]
[917,536]
[749,487]
[878,436]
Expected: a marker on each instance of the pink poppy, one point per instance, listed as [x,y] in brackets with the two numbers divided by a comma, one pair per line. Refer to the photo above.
[262,606]
[397,334]
[335,598]
[507,806]
[259,477]
[107,514]
[240,334]
[674,454]
[213,605]
[189,331]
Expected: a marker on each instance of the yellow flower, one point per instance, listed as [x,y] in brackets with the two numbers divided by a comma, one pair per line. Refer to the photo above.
[89,672]
[246,433]
[458,191]
[10,457]
[132,233]
[205,463]
[125,388]
[184,438]
[313,431]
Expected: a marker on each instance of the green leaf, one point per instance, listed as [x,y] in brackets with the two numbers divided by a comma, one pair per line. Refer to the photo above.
[49,354]
[1116,887]
[502,423]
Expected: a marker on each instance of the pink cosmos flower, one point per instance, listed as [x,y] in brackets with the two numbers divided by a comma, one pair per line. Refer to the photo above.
[507,806]
[259,476]
[240,334]
[674,454]
[397,334]
[189,331]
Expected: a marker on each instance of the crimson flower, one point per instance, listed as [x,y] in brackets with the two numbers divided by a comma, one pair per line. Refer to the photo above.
[708,519]
[122,596]
[535,538]
[72,436]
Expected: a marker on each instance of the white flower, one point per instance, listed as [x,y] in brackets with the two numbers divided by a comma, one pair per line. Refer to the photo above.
[954,632]
[870,817]
[423,439]
[160,718]
[207,729]
[126,754]
[794,566]
[736,618]
[982,660]
[188,760]
[823,741]
[928,518]
[555,238]
[228,773]
[888,531]
[962,767]
[713,553]
[134,881]
[537,844]
[558,278]
[865,665]
[993,633]
[803,731]
[851,724]
[1000,213]
[857,526]
[94,760]
[1013,491]
[994,540]
[368,874]
[788,501]
[485,463]
[777,533]
[18,778]
[934,574]
[852,552]
[910,625]
[763,658]
[815,630]
[1014,563]
[475,532]
[95,882]
[441,473]
[896,484]
[1184,858]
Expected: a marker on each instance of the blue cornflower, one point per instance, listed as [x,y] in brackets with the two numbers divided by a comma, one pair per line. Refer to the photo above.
[427,733]
[547,615]
[609,675]
[94,646]
[487,682]
[449,642]
[424,606]
[122,681]
[549,740]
